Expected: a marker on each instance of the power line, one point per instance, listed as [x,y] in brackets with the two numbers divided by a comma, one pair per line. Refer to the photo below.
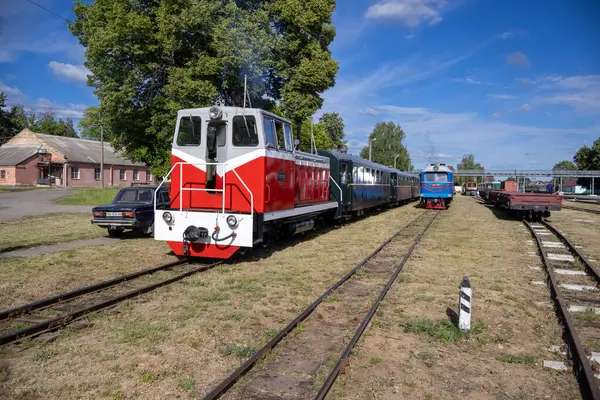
[50,11]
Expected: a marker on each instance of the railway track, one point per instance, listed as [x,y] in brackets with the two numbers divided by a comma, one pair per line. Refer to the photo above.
[573,283]
[328,329]
[582,209]
[52,313]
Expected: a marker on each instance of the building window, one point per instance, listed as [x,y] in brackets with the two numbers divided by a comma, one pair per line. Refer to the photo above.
[2,174]
[148,176]
[96,174]
[74,173]
[122,174]
[136,175]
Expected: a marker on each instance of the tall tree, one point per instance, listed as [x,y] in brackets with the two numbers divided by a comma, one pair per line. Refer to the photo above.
[334,125]
[588,158]
[468,163]
[322,139]
[46,122]
[90,124]
[565,165]
[386,145]
[150,59]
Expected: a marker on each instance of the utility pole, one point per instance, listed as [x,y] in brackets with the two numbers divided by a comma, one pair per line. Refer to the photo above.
[102,155]
[370,150]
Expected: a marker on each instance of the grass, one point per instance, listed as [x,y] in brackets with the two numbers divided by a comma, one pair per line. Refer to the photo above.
[516,358]
[45,230]
[376,360]
[90,197]
[442,330]
[187,383]
[133,333]
[236,350]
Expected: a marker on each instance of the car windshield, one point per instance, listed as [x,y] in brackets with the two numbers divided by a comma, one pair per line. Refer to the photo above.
[144,195]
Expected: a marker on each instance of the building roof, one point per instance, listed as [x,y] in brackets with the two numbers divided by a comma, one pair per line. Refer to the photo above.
[83,150]
[14,155]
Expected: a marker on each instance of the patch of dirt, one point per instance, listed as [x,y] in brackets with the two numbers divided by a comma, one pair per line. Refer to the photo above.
[512,329]
[181,340]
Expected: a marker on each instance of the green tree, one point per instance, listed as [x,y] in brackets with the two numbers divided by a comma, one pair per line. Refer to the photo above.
[386,141]
[90,124]
[11,121]
[322,139]
[588,158]
[468,163]
[46,123]
[334,125]
[150,59]
[565,165]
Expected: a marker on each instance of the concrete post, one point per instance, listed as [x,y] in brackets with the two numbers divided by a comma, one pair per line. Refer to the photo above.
[464,305]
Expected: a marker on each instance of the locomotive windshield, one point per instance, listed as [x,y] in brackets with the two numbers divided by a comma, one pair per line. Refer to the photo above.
[436,177]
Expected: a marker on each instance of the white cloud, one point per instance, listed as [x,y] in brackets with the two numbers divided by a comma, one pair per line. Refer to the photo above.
[408,12]
[76,73]
[410,36]
[370,111]
[496,116]
[502,96]
[471,81]
[13,94]
[581,92]
[518,58]
[526,108]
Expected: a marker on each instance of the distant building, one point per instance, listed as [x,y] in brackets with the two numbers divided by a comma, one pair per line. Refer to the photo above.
[571,187]
[31,158]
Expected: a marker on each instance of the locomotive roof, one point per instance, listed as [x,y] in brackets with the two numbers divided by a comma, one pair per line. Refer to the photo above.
[231,110]
[361,161]
[441,168]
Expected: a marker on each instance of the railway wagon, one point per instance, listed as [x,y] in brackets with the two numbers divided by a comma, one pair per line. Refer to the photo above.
[532,206]
[437,186]
[365,184]
[485,188]
[237,179]
[470,188]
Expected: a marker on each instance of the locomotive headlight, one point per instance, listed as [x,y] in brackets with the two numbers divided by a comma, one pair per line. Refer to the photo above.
[215,112]
[232,221]
[167,217]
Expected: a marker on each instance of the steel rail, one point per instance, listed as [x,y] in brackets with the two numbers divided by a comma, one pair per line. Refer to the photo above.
[588,385]
[343,360]
[58,322]
[220,389]
[48,301]
[582,209]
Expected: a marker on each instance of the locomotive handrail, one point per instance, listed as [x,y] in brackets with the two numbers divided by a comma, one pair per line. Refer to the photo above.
[338,186]
[181,188]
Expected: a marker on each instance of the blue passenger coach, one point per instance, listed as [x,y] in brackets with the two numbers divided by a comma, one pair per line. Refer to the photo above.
[437,186]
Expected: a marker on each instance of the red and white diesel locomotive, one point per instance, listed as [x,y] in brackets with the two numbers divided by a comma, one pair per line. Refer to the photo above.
[236,176]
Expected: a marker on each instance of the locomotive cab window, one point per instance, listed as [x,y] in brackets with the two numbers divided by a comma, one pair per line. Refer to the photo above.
[289,138]
[245,133]
[189,131]
[270,139]
[435,177]
[280,135]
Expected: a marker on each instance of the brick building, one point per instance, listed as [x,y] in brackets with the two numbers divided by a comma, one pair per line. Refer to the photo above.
[32,158]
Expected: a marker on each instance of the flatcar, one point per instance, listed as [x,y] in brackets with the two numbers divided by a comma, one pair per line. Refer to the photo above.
[437,186]
[237,180]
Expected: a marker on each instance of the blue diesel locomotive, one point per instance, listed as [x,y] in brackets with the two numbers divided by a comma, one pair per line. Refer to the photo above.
[437,186]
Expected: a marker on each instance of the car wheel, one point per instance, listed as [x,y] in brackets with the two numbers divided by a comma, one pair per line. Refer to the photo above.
[150,230]
[115,232]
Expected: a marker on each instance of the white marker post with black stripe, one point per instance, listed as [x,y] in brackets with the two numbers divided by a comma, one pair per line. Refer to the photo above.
[464,306]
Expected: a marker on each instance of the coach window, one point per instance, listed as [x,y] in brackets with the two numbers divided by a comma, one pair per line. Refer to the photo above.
[289,138]
[245,133]
[343,174]
[270,139]
[189,131]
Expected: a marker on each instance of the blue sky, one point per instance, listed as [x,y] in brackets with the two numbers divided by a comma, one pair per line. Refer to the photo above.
[516,83]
